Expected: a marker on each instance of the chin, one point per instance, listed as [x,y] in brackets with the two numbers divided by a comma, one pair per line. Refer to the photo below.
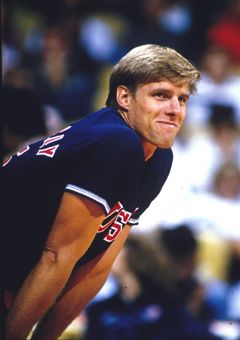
[165,145]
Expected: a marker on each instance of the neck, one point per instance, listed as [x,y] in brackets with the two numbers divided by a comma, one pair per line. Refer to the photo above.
[124,115]
[148,149]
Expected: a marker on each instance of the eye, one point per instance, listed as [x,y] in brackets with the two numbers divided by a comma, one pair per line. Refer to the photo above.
[182,100]
[160,95]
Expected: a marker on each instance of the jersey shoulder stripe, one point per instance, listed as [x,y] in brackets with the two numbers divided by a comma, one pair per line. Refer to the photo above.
[90,195]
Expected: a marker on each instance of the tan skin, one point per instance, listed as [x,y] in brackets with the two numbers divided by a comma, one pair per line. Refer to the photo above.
[81,218]
[156,111]
[53,291]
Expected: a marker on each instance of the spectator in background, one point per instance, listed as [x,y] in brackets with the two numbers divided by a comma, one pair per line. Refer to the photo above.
[165,22]
[207,300]
[62,82]
[23,118]
[226,182]
[233,280]
[225,33]
[146,305]
[181,247]
[204,14]
[19,77]
[10,54]
[224,295]
[103,38]
[219,144]
[219,85]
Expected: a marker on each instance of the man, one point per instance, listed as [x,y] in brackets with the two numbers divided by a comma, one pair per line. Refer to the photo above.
[70,199]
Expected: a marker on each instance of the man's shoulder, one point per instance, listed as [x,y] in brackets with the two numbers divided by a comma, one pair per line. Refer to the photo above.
[107,127]
[162,158]
[165,153]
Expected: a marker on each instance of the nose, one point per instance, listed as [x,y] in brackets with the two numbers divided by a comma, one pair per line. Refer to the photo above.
[174,106]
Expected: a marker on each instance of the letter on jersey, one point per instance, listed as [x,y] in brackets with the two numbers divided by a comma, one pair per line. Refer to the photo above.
[49,152]
[115,221]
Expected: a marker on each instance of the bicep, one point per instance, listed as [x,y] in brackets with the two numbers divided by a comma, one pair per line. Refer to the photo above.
[75,226]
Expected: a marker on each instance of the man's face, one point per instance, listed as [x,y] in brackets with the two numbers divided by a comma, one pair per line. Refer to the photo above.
[156,112]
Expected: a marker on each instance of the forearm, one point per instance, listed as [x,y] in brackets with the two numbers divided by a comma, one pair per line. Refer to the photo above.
[80,289]
[37,294]
[72,302]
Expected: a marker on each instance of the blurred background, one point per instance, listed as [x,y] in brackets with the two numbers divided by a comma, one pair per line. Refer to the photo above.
[56,60]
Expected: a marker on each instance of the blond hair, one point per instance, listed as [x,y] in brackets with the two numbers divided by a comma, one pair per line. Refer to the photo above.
[149,63]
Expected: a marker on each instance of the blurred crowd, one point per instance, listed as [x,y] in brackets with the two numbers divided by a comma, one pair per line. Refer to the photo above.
[179,272]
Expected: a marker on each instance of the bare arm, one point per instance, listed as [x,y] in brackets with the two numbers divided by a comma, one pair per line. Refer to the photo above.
[74,228]
[81,288]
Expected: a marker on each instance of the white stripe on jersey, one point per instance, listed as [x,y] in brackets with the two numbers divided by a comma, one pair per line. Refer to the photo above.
[133,221]
[89,194]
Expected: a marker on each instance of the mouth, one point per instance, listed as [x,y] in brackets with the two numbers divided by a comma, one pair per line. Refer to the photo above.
[168,124]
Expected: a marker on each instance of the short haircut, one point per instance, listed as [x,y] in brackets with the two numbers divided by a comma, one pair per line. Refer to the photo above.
[179,241]
[149,63]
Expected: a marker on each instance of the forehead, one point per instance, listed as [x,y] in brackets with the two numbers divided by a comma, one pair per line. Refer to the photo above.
[165,85]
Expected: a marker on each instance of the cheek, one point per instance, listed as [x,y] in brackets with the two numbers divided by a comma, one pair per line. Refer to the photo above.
[142,114]
[148,104]
[182,115]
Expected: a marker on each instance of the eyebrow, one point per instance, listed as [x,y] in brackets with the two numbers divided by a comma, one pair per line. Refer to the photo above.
[168,91]
[185,95]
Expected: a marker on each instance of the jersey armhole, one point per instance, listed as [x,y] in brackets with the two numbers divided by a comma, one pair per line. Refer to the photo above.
[90,195]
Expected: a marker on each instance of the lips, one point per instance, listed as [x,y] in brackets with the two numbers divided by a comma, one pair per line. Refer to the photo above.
[170,124]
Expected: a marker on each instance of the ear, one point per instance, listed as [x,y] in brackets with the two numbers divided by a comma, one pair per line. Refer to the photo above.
[123,97]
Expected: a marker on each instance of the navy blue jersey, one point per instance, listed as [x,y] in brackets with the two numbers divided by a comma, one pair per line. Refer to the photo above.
[101,158]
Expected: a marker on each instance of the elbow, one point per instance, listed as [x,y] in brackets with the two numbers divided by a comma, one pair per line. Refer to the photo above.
[50,255]
[58,258]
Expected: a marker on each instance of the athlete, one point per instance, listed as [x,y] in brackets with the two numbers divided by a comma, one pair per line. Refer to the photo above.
[70,199]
